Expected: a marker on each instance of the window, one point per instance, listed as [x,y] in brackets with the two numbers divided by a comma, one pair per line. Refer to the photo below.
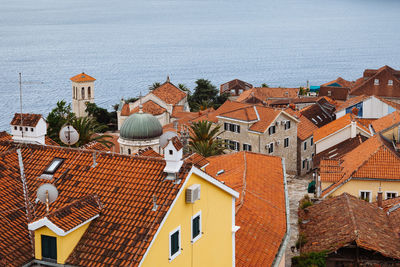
[391,195]
[226,126]
[174,243]
[54,165]
[171,152]
[89,93]
[32,129]
[15,127]
[196,227]
[233,145]
[83,92]
[365,195]
[376,82]
[231,127]
[271,130]
[312,141]
[271,148]
[26,129]
[305,145]
[49,247]
[286,142]
[304,163]
[329,93]
[390,82]
[287,125]
[129,151]
[246,147]
[20,128]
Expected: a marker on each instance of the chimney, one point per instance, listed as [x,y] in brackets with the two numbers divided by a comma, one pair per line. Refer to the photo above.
[380,198]
[173,154]
[353,129]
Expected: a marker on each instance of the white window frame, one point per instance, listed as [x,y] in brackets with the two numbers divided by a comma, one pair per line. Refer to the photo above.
[193,240]
[368,191]
[248,146]
[376,82]
[390,82]
[172,257]
[391,192]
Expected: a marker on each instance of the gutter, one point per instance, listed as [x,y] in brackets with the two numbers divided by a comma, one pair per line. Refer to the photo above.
[282,248]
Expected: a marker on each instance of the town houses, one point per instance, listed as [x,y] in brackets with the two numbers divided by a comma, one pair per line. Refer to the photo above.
[267,177]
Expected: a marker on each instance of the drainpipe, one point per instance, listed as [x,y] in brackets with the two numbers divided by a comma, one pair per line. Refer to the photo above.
[282,248]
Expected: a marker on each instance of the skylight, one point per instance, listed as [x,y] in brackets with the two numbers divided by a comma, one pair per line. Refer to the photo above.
[53,166]
[220,172]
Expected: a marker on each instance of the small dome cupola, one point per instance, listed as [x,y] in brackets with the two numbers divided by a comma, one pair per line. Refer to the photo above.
[140,126]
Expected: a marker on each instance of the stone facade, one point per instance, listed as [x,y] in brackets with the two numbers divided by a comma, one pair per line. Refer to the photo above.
[131,147]
[305,154]
[82,93]
[260,142]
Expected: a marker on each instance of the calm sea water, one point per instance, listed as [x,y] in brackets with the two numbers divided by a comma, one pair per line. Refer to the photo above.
[127,45]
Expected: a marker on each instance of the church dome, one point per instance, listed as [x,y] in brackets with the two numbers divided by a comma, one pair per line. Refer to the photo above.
[140,126]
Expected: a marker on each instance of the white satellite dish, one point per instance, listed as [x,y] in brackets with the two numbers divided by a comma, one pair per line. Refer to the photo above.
[68,135]
[47,193]
[165,137]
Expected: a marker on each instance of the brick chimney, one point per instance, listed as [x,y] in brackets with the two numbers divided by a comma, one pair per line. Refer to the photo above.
[380,198]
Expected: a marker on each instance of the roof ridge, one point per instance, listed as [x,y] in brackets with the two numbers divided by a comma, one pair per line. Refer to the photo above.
[244,182]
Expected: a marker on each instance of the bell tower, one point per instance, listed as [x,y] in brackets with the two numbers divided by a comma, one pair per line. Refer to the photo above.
[82,93]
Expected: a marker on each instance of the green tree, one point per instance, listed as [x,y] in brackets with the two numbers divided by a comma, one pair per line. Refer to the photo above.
[221,98]
[101,115]
[60,115]
[154,86]
[265,85]
[203,139]
[87,128]
[204,91]
[183,87]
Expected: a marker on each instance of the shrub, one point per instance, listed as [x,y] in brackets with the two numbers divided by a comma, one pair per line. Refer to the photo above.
[313,259]
[301,240]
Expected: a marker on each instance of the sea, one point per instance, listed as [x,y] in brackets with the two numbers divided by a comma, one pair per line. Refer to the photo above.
[129,44]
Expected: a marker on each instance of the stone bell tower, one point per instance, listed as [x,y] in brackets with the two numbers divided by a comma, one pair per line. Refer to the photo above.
[82,93]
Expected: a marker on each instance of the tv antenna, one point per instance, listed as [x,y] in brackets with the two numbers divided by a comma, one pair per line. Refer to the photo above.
[47,194]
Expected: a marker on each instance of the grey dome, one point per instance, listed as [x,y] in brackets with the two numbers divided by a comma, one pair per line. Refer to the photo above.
[140,126]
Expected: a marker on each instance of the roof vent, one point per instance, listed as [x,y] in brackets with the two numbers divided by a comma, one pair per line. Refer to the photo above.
[192,193]
[220,172]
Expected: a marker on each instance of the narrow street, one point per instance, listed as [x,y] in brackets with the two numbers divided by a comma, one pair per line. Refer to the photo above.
[297,187]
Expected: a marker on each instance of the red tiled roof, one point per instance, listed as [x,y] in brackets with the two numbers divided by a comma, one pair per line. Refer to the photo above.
[305,128]
[75,213]
[125,111]
[197,160]
[50,142]
[148,152]
[342,82]
[264,93]
[386,122]
[236,85]
[150,107]
[336,93]
[169,93]
[344,220]
[28,119]
[260,209]
[4,136]
[176,143]
[352,101]
[322,112]
[125,185]
[226,107]
[94,145]
[82,77]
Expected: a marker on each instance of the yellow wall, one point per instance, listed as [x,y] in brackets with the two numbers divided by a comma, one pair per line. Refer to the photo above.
[65,244]
[353,187]
[214,248]
[392,132]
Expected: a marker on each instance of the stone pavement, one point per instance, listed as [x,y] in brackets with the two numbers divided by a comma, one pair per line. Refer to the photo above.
[297,187]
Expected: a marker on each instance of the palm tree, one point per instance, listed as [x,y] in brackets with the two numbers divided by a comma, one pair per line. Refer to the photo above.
[203,139]
[154,86]
[265,85]
[87,128]
[183,87]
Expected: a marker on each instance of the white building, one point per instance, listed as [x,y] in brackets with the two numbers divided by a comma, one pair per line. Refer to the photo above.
[31,129]
[82,93]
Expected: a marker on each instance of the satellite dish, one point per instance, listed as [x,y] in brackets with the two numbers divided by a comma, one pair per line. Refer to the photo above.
[47,193]
[165,137]
[68,135]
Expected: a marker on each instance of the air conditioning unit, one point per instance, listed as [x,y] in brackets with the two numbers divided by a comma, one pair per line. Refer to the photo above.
[192,193]
[277,123]
[277,142]
[267,147]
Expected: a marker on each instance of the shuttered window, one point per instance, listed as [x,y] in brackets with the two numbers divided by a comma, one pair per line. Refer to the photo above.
[49,247]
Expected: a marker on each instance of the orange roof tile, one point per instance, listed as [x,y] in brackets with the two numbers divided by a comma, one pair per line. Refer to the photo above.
[82,77]
[305,128]
[264,93]
[346,220]
[148,152]
[94,145]
[4,136]
[386,122]
[150,107]
[125,186]
[342,82]
[28,119]
[169,93]
[125,111]
[260,209]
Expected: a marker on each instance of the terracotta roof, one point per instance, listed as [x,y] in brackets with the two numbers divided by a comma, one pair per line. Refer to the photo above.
[339,81]
[94,145]
[4,136]
[226,107]
[320,113]
[386,122]
[197,160]
[150,107]
[261,94]
[75,213]
[297,100]
[176,143]
[373,159]
[236,85]
[148,152]
[366,85]
[339,150]
[260,209]
[82,77]
[343,220]
[339,124]
[336,93]
[305,128]
[169,93]
[28,119]
[125,111]
[125,185]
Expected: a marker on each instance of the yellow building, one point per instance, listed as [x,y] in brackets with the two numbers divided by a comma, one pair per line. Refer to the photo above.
[115,210]
[371,167]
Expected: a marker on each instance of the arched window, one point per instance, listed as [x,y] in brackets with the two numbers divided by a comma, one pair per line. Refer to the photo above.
[83,93]
[129,151]
[88,92]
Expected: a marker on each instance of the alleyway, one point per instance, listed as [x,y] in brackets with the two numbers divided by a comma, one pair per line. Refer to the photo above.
[297,187]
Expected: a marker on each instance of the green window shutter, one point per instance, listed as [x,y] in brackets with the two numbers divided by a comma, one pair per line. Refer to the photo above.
[49,247]
[174,243]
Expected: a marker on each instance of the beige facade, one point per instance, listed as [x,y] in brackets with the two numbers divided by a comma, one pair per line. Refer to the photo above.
[131,147]
[270,144]
[82,93]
